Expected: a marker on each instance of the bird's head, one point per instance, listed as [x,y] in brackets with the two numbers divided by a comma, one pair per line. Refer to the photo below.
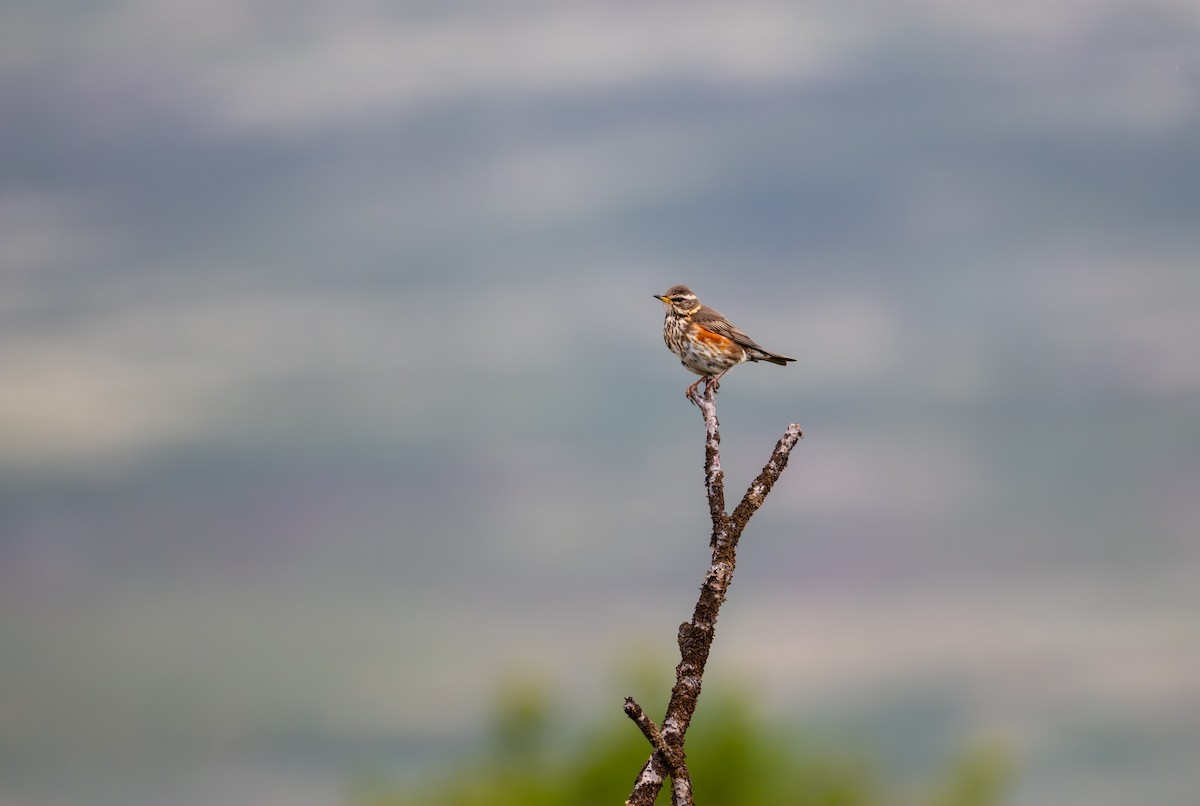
[680,300]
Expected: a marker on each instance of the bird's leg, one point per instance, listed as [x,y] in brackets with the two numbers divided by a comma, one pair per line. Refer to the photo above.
[691,390]
[713,381]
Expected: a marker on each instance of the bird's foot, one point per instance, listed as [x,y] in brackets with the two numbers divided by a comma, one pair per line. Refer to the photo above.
[711,385]
[692,391]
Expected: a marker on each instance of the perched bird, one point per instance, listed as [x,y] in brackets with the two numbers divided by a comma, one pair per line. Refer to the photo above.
[705,341]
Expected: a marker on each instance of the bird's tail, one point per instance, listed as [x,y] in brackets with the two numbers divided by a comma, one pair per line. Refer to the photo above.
[774,358]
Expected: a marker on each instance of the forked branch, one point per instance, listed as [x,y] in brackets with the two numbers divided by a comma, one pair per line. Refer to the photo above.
[696,636]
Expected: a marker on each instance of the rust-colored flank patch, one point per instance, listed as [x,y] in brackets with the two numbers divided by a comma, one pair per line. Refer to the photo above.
[712,339]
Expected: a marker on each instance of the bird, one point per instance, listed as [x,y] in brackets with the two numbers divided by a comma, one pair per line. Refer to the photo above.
[706,342]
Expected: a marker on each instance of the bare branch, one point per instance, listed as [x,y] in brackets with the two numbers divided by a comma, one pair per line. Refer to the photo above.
[714,478]
[758,489]
[652,733]
[649,782]
[696,637]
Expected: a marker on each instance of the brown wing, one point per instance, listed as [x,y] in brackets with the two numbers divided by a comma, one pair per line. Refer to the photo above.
[712,320]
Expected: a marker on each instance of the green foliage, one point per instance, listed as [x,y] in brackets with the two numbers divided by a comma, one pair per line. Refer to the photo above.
[735,756]
[978,779]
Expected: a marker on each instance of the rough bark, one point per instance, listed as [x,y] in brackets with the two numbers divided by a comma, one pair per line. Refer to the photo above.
[696,636]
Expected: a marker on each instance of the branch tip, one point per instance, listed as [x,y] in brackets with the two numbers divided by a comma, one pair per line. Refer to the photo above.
[653,735]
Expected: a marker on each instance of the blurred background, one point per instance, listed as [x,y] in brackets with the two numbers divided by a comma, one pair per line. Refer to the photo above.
[334,399]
